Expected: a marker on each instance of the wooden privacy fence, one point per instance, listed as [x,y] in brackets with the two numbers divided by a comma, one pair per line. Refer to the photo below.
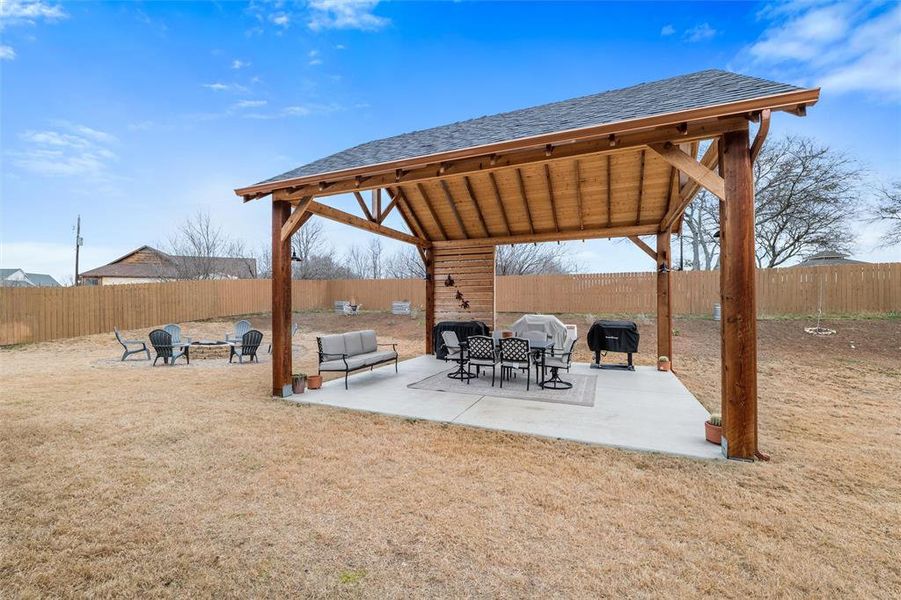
[39,314]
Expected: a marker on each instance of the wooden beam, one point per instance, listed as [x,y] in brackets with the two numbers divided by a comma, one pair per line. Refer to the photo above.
[664,296]
[453,206]
[387,210]
[340,216]
[488,163]
[550,195]
[669,122]
[609,194]
[296,219]
[644,247]
[428,205]
[554,236]
[738,298]
[709,161]
[281,301]
[408,214]
[671,189]
[640,187]
[762,131]
[525,200]
[578,186]
[429,299]
[500,202]
[475,202]
[376,199]
[362,204]
[685,163]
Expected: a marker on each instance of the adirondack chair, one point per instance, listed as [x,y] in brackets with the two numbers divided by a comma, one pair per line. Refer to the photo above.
[133,343]
[241,327]
[175,332]
[247,347]
[294,329]
[165,348]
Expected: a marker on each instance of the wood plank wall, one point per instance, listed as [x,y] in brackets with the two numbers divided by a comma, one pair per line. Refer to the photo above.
[39,314]
[472,271]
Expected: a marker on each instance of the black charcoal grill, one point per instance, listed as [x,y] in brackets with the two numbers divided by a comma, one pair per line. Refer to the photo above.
[613,336]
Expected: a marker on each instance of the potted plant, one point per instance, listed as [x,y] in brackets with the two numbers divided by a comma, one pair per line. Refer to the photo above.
[663,363]
[713,429]
[314,382]
[299,382]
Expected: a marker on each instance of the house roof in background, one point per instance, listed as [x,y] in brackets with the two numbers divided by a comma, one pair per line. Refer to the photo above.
[168,266]
[30,279]
[668,96]
[828,257]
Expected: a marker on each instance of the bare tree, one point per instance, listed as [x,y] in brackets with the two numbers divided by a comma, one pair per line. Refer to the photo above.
[405,264]
[805,196]
[374,252]
[356,262]
[532,259]
[887,209]
[196,247]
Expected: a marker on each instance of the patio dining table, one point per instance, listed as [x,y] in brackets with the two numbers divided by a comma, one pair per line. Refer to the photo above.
[538,348]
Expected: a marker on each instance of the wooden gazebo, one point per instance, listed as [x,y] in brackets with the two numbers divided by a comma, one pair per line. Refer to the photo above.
[622,163]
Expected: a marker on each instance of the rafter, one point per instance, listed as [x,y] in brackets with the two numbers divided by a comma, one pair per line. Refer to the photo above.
[500,202]
[475,202]
[695,170]
[578,186]
[340,216]
[609,193]
[640,187]
[406,212]
[428,205]
[453,206]
[296,219]
[525,200]
[550,195]
[362,204]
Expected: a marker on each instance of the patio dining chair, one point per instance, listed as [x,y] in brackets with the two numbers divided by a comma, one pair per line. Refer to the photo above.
[556,362]
[482,354]
[516,353]
[133,343]
[457,353]
[165,348]
[241,327]
[247,347]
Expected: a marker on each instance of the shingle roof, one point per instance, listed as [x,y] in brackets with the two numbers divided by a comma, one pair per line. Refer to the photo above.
[685,92]
[828,257]
[42,279]
[174,267]
[31,279]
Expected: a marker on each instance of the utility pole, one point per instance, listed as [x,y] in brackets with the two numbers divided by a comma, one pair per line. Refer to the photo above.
[78,243]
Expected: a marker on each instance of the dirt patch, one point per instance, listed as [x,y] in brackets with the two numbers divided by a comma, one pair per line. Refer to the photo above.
[131,480]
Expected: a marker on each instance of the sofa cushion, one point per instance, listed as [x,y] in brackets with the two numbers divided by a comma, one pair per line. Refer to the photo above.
[370,344]
[371,358]
[332,346]
[352,343]
[354,362]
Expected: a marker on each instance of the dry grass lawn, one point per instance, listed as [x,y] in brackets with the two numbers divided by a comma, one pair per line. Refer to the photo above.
[122,480]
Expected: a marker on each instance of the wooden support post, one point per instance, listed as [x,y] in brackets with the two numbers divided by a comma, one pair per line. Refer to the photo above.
[664,296]
[739,305]
[281,301]
[429,298]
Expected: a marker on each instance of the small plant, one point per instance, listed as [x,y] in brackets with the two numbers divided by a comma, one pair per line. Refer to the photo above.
[716,420]
[663,359]
[713,429]
[300,375]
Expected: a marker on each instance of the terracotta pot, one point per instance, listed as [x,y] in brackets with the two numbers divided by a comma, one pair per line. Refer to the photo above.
[314,382]
[713,433]
[663,366]
[298,384]
[506,334]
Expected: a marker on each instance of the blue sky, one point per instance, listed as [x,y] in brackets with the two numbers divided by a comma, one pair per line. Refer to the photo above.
[137,115]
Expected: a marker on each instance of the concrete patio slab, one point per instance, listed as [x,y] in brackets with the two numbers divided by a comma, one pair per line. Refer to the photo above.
[644,410]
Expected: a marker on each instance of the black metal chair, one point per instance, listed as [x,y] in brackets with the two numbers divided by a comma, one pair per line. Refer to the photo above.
[515,354]
[556,362]
[250,343]
[126,343]
[161,340]
[457,353]
[482,354]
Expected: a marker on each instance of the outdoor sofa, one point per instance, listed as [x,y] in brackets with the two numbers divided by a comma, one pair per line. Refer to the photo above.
[352,351]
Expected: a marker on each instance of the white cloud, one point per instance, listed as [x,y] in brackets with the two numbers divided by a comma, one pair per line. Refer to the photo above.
[345,14]
[296,110]
[667,30]
[239,64]
[699,33]
[280,19]
[840,46]
[19,12]
[314,57]
[7,52]
[340,47]
[225,87]
[72,150]
[250,104]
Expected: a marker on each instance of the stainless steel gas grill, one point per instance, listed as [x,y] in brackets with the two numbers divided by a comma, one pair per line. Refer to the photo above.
[613,336]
